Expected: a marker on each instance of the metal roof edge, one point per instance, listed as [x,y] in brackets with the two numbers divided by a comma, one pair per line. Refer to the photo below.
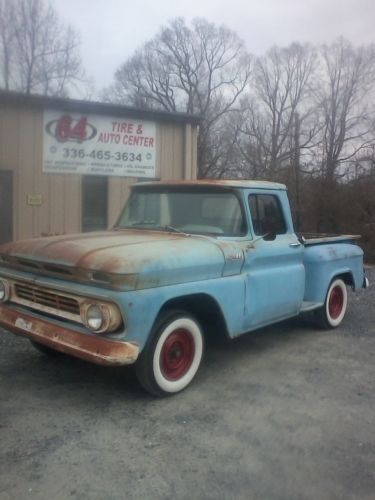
[77,105]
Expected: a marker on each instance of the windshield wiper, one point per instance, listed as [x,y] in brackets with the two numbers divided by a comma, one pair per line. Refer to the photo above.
[153,225]
[143,223]
[173,229]
[135,224]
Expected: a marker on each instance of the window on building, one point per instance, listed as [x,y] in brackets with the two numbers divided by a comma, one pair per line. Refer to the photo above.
[94,203]
[266,214]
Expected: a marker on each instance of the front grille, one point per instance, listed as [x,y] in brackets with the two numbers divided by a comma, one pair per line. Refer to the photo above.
[46,297]
[32,266]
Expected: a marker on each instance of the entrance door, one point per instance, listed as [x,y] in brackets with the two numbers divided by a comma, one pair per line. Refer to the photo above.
[94,203]
[6,207]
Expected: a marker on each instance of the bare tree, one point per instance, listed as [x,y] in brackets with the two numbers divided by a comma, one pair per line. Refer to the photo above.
[281,85]
[7,36]
[345,102]
[39,54]
[346,81]
[203,70]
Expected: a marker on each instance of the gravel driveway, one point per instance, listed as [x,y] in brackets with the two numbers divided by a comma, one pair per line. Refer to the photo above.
[287,413]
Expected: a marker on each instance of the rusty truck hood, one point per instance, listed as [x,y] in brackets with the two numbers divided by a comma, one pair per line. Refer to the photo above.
[158,258]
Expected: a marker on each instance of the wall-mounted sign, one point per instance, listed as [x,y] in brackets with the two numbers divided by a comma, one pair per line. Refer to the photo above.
[34,199]
[98,145]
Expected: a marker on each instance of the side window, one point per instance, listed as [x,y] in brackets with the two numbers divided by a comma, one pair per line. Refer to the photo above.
[266,214]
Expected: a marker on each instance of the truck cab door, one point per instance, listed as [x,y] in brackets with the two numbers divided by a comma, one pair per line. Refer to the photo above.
[273,266]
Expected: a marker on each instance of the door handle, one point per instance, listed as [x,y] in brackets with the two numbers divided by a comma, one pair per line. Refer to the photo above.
[295,245]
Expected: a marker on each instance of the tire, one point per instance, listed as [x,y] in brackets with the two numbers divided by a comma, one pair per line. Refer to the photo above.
[171,358]
[45,349]
[335,305]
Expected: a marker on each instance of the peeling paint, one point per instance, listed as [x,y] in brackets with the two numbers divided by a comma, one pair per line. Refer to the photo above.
[94,348]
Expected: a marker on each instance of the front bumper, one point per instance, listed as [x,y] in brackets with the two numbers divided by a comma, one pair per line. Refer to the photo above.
[88,347]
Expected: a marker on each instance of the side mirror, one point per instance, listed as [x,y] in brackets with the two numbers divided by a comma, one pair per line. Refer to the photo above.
[271,236]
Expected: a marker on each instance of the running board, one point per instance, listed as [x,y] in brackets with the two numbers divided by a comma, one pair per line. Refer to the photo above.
[310,306]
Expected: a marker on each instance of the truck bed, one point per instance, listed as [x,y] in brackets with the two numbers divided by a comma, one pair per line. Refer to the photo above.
[321,239]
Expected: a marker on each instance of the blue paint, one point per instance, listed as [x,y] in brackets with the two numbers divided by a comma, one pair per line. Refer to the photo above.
[324,262]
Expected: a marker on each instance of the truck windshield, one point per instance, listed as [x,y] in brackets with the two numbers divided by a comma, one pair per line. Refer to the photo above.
[199,212]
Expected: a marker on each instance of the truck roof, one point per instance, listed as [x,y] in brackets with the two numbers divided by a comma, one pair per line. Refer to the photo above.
[234,183]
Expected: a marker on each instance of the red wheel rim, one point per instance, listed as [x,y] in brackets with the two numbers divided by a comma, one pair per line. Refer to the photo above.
[336,302]
[177,354]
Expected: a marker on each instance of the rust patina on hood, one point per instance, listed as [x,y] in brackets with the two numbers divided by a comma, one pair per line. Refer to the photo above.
[153,258]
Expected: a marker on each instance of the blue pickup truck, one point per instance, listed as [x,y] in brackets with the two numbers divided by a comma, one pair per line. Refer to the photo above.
[183,257]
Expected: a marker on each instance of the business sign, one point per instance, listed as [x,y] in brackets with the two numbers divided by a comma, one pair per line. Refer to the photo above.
[77,143]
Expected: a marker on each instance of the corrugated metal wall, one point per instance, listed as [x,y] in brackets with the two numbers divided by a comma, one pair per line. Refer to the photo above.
[21,151]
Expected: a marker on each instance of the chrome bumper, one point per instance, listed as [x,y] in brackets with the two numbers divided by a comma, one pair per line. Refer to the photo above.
[88,347]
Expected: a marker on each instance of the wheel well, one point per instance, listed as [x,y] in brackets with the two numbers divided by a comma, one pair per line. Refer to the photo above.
[204,308]
[347,278]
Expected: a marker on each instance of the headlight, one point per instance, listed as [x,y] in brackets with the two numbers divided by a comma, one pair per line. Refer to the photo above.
[4,290]
[94,317]
[101,317]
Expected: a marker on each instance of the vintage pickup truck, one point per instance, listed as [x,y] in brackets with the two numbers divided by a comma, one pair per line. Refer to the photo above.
[183,257]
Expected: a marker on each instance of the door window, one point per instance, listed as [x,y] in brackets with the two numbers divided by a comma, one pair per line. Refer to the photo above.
[266,214]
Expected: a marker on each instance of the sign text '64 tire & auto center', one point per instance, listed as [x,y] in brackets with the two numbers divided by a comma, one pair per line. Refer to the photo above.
[98,145]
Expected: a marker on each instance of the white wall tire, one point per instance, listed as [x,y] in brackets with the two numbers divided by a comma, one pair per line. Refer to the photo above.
[171,360]
[335,305]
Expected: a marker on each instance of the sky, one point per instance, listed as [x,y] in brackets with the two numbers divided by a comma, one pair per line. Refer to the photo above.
[111,30]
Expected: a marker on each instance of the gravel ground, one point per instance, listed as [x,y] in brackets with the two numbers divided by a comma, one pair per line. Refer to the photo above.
[287,412]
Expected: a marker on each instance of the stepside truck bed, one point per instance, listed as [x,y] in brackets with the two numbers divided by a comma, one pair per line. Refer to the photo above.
[320,239]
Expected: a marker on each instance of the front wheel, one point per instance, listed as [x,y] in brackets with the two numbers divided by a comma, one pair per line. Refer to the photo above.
[335,305]
[173,355]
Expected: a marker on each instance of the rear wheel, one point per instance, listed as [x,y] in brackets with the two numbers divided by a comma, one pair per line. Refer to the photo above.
[173,355]
[335,305]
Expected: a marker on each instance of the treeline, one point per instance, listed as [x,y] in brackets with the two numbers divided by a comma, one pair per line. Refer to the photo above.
[38,53]
[301,114]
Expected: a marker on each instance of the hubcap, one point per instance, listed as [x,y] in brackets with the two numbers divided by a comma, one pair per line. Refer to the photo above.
[336,302]
[177,354]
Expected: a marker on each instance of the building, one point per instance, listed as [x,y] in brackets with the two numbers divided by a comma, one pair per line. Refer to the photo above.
[66,165]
